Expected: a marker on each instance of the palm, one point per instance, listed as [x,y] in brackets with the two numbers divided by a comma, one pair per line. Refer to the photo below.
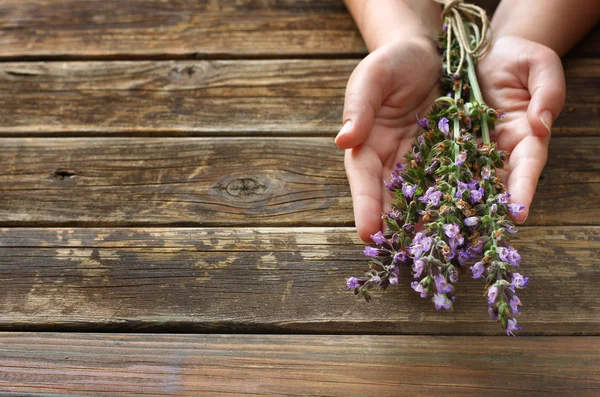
[407,77]
[509,76]
[394,132]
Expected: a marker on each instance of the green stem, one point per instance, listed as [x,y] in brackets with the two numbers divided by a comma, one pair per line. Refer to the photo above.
[485,133]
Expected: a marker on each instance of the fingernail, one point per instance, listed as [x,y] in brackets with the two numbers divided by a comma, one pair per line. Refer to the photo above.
[524,219]
[345,129]
[546,119]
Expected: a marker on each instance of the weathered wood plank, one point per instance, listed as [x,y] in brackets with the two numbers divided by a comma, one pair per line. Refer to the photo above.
[207,98]
[183,181]
[77,29]
[176,29]
[269,280]
[294,365]
[230,181]
[291,97]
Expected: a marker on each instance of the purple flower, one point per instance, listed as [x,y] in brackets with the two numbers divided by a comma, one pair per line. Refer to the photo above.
[418,267]
[371,251]
[472,221]
[461,188]
[518,281]
[423,123]
[509,255]
[477,269]
[492,314]
[400,167]
[396,181]
[456,242]
[485,173]
[504,198]
[463,257]
[442,285]
[352,283]
[418,158]
[462,157]
[393,280]
[512,326]
[376,279]
[444,126]
[431,197]
[378,238]
[515,303]
[509,228]
[472,184]
[453,274]
[421,243]
[494,208]
[515,209]
[400,256]
[445,27]
[476,195]
[492,294]
[455,238]
[419,288]
[441,301]
[451,230]
[409,190]
[431,169]
[475,249]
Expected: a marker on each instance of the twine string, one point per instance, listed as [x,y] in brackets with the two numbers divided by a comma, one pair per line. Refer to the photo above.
[456,12]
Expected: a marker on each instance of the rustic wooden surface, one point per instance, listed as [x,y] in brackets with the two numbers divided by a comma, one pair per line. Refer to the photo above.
[231,181]
[168,167]
[268,280]
[208,98]
[113,29]
[344,366]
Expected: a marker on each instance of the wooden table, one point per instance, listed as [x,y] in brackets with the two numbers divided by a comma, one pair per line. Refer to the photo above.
[175,218]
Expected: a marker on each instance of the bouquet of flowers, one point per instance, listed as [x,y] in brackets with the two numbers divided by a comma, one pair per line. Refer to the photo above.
[451,211]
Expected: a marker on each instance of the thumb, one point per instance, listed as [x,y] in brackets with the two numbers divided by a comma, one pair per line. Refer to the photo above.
[546,84]
[364,96]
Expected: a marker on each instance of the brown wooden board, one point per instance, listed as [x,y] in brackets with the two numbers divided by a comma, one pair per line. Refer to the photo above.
[209,98]
[275,280]
[60,29]
[230,182]
[79,29]
[285,365]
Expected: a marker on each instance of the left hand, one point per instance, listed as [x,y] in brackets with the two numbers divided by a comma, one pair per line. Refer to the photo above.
[526,80]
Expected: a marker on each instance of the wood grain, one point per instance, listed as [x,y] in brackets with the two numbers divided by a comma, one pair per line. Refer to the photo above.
[60,29]
[230,182]
[179,181]
[345,366]
[208,98]
[269,280]
[155,29]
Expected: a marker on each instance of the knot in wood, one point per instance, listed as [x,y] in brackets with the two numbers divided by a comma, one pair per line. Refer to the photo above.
[245,187]
[64,173]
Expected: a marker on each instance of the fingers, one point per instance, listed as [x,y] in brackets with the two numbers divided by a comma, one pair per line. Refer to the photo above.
[526,164]
[364,96]
[546,84]
[363,169]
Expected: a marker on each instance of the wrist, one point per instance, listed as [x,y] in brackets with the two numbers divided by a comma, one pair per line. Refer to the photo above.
[384,21]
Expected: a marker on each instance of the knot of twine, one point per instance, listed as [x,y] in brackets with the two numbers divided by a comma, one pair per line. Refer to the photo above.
[456,12]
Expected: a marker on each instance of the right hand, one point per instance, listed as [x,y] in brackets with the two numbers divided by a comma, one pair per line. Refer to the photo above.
[384,94]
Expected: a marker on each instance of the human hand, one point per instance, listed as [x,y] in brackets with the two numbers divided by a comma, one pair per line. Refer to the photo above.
[384,94]
[526,80]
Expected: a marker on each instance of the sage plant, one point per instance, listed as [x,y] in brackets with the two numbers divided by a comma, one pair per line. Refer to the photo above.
[451,211]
